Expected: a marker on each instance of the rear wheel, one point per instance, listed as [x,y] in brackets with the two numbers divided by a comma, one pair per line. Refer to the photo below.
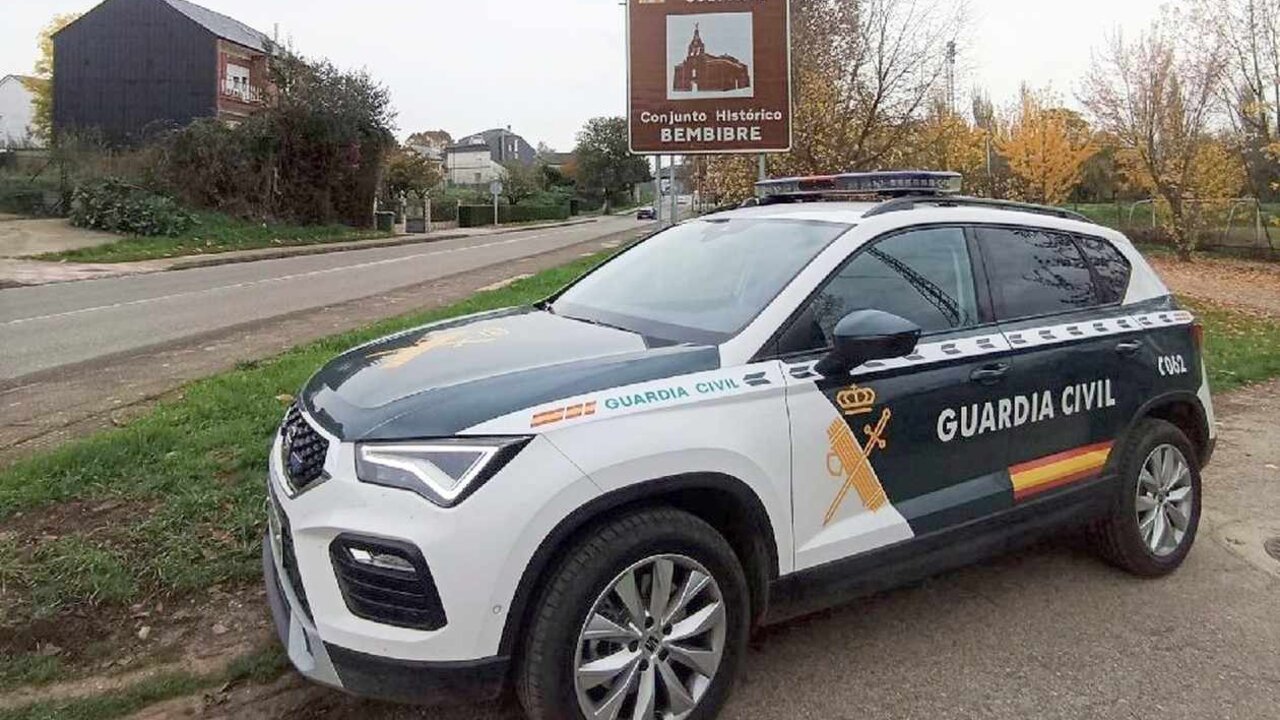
[645,618]
[1154,520]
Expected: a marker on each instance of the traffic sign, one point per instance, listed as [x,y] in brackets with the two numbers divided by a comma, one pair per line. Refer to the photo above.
[709,77]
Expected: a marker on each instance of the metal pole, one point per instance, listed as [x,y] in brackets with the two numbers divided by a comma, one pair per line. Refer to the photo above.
[427,201]
[675,196]
[764,168]
[657,190]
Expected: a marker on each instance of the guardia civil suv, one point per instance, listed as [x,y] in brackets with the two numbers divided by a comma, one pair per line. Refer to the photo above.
[855,381]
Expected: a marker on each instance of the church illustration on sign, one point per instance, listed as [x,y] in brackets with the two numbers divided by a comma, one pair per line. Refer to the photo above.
[702,72]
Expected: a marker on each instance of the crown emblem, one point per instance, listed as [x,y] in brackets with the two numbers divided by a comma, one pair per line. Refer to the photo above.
[855,400]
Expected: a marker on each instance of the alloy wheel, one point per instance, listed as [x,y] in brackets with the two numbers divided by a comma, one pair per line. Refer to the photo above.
[1165,500]
[652,642]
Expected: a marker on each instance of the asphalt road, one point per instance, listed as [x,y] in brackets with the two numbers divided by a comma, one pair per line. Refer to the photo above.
[51,326]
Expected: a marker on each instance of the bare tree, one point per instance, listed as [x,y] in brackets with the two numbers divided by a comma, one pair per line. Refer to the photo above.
[1158,96]
[868,69]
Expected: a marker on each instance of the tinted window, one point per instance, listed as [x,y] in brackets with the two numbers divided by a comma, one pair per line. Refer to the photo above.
[1110,266]
[924,276]
[702,281]
[1035,272]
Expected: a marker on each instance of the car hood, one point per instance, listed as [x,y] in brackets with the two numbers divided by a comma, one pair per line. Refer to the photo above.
[440,379]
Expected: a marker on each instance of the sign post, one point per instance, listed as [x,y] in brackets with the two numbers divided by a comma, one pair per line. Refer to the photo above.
[495,188]
[709,78]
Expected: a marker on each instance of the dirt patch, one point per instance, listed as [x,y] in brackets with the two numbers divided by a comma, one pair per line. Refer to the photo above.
[106,649]
[1247,285]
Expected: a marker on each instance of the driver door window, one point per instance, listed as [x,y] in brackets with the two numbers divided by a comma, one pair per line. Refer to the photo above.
[923,275]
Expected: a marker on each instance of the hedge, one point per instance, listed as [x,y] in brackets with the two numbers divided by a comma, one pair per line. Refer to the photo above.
[478,215]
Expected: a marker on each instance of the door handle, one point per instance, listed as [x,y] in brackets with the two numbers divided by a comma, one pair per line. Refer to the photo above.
[990,374]
[1129,349]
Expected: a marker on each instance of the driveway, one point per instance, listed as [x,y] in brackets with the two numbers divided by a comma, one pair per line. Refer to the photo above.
[26,237]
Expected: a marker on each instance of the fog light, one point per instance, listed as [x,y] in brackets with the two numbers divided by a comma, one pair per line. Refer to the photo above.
[380,560]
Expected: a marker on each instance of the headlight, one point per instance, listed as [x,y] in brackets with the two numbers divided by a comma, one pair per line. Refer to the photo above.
[442,471]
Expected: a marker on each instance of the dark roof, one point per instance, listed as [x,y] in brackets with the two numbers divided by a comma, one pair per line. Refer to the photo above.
[558,158]
[222,26]
[24,78]
[471,146]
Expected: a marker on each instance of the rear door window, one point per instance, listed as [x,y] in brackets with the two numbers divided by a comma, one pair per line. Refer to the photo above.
[1035,272]
[1110,266]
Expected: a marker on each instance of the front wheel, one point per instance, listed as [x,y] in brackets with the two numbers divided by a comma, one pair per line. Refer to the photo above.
[1153,523]
[645,618]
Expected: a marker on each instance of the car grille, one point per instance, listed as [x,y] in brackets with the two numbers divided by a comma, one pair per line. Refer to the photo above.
[399,597]
[289,560]
[302,450]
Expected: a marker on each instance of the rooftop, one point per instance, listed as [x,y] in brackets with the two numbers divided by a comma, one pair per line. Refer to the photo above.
[224,27]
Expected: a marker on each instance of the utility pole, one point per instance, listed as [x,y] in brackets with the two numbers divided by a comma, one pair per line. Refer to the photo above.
[951,76]
[763,173]
[675,196]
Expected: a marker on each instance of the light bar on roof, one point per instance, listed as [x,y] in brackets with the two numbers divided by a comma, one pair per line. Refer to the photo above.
[873,183]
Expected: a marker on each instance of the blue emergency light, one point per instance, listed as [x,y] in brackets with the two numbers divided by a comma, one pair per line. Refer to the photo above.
[884,184]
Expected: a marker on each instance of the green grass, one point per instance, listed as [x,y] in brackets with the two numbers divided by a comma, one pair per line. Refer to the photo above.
[215,233]
[1240,348]
[260,667]
[194,468]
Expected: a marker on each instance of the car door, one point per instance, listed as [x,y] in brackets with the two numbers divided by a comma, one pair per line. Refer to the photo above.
[1074,354]
[875,456]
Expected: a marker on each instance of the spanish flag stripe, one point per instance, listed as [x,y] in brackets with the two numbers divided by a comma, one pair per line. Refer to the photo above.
[1050,459]
[1057,470]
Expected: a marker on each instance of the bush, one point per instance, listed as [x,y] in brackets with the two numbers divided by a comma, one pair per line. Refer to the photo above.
[478,215]
[116,206]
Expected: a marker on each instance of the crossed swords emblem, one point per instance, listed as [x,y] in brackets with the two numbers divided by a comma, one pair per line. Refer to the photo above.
[852,461]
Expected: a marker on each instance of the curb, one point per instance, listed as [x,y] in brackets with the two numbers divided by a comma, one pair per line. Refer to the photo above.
[321,249]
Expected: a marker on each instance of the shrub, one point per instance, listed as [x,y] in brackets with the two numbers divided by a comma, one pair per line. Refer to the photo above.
[477,215]
[116,206]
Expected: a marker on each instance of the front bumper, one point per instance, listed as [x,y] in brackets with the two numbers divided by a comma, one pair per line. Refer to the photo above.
[403,681]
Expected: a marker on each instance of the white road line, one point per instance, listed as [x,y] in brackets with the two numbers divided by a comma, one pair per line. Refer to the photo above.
[264,281]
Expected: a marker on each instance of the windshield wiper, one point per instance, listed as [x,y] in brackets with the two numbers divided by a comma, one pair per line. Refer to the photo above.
[545,306]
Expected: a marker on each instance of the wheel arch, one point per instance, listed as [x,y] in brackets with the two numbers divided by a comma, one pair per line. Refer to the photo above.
[725,502]
[1183,410]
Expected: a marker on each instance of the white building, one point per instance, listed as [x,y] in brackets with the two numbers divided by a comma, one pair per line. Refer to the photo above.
[16,112]
[472,164]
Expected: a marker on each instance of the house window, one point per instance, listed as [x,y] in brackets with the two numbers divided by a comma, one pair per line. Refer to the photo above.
[237,81]
[479,178]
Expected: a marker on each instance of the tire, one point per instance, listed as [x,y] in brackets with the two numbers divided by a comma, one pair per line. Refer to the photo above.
[1122,537]
[582,588]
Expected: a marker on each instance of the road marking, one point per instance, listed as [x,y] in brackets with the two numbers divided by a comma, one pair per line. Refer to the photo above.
[264,281]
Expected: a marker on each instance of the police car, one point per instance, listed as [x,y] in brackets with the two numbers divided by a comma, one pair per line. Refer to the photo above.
[857,381]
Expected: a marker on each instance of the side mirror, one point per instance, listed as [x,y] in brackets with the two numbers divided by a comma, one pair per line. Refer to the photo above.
[866,335]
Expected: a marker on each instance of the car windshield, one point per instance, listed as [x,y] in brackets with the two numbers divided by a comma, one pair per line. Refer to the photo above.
[702,281]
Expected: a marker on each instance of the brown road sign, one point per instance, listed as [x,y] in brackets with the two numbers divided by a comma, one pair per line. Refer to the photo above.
[709,76]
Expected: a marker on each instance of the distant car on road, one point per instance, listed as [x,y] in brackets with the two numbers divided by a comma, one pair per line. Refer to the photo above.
[646,213]
[860,381]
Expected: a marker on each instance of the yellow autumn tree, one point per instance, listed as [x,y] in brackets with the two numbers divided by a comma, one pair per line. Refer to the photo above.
[1046,148]
[41,86]
[945,140]
[1215,178]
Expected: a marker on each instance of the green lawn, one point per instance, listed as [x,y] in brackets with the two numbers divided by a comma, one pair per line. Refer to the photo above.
[1240,348]
[215,233]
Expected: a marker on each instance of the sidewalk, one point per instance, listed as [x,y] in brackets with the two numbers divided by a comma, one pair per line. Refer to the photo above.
[19,272]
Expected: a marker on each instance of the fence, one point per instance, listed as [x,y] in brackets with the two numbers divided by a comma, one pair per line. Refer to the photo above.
[1239,225]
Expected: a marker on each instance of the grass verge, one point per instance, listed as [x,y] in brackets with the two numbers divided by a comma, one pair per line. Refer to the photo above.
[1241,348]
[215,233]
[260,667]
[186,480]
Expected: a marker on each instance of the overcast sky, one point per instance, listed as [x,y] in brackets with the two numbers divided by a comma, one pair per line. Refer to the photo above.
[545,67]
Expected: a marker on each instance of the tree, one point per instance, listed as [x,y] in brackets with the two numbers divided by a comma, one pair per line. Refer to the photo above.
[439,139]
[1046,149]
[863,75]
[521,181]
[604,160]
[41,87]
[1157,95]
[409,173]
[944,140]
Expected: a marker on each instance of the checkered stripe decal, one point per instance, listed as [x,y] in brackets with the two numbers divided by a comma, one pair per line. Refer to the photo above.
[979,345]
